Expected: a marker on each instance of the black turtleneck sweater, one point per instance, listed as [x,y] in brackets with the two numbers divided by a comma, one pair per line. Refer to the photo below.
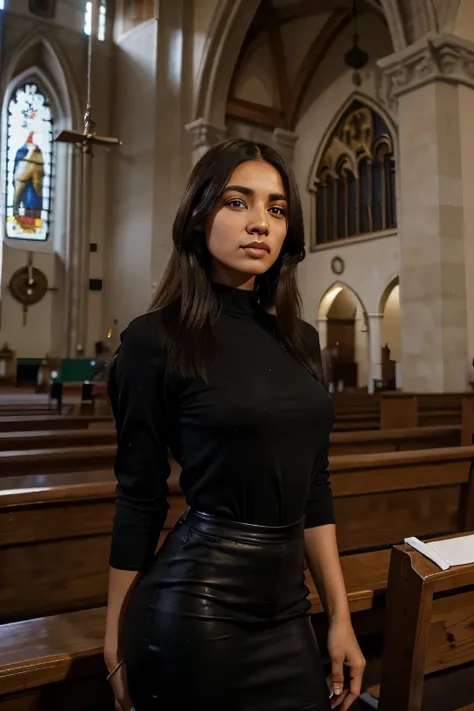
[252,443]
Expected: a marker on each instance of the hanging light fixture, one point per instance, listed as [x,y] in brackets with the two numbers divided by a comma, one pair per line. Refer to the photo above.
[356,58]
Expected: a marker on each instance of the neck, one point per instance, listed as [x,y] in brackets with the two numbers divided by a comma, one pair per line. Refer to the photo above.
[236,280]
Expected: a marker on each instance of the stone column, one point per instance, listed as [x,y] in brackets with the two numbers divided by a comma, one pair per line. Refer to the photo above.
[173,150]
[375,350]
[284,142]
[424,81]
[204,135]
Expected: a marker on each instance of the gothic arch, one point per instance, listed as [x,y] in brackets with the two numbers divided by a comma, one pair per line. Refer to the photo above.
[230,24]
[330,295]
[39,59]
[343,326]
[368,101]
[394,281]
[61,77]
[231,21]
[395,24]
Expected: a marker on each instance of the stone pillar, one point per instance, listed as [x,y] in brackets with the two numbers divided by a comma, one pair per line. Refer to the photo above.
[284,142]
[375,350]
[173,150]
[424,80]
[322,328]
[204,135]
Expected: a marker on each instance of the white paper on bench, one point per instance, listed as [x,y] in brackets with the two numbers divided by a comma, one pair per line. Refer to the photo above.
[455,551]
[446,553]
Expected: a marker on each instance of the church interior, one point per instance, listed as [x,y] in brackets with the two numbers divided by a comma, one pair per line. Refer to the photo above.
[106,106]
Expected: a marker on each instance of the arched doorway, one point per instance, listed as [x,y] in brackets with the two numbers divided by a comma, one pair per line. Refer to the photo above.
[391,333]
[344,338]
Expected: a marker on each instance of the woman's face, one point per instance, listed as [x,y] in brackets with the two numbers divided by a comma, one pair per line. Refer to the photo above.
[246,230]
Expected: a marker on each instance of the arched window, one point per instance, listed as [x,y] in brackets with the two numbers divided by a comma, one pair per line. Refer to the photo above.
[102,26]
[29,164]
[359,156]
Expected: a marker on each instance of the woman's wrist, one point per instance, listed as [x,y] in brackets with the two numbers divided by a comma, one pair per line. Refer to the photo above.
[112,656]
[338,612]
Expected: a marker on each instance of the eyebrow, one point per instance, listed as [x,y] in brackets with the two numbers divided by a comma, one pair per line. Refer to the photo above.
[248,191]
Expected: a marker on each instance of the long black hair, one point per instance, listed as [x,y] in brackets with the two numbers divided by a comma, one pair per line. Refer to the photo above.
[188,303]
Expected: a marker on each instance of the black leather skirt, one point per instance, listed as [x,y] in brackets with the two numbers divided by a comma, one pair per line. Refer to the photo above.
[219,622]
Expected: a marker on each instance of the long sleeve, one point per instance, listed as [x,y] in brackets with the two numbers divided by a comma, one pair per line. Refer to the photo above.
[319,505]
[141,465]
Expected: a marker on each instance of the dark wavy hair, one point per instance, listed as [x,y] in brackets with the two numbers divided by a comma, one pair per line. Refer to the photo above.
[189,305]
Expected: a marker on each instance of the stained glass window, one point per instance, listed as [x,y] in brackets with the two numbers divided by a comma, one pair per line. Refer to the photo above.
[102,19]
[88,19]
[29,164]
[359,159]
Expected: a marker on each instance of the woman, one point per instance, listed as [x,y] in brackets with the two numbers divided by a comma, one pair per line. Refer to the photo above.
[217,619]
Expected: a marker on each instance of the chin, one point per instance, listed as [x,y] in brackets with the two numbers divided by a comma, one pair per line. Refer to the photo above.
[256,266]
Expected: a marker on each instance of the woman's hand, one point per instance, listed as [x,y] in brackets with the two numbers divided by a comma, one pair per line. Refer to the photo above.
[344,650]
[118,682]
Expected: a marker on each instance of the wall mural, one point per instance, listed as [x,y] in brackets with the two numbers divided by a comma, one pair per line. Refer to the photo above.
[29,164]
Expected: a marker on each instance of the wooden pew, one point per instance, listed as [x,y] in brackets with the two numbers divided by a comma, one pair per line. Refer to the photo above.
[341,442]
[55,540]
[66,671]
[52,422]
[52,439]
[401,410]
[394,440]
[429,626]
[55,529]
[49,461]
[56,532]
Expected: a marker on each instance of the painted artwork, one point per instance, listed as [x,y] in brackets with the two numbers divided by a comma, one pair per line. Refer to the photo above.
[29,164]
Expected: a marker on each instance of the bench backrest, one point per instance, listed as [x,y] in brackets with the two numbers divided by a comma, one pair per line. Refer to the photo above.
[49,439]
[394,440]
[18,423]
[55,529]
[62,459]
[419,493]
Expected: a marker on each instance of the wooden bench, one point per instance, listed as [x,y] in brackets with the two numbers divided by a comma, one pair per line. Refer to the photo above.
[55,532]
[52,422]
[394,440]
[341,442]
[55,663]
[51,439]
[400,410]
[429,627]
[62,459]
[55,529]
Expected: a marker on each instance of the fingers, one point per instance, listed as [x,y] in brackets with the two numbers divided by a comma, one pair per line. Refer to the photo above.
[337,676]
[336,701]
[348,701]
[357,672]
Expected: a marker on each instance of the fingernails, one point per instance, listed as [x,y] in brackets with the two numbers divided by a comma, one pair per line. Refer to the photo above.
[337,689]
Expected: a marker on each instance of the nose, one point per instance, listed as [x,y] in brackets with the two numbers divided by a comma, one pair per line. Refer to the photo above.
[258,223]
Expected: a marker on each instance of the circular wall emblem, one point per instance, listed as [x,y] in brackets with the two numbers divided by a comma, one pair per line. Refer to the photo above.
[337,265]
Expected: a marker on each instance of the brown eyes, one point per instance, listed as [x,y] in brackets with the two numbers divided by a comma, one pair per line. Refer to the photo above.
[275,209]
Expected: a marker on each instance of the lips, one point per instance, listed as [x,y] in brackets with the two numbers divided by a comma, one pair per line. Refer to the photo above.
[258,245]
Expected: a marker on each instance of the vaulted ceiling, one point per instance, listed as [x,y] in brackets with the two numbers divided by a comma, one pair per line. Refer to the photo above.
[315,24]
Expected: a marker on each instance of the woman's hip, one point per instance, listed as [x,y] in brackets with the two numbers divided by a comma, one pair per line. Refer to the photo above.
[210,568]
